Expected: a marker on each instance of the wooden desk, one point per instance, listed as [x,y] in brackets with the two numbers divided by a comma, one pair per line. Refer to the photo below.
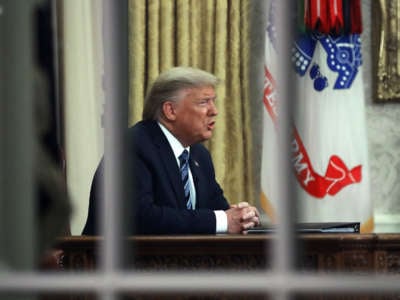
[356,253]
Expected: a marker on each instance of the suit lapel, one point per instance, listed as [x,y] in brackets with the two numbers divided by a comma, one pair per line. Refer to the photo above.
[196,173]
[169,162]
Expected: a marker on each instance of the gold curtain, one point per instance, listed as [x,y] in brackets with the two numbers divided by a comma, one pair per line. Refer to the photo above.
[212,35]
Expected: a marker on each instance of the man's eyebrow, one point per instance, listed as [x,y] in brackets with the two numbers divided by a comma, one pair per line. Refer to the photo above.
[208,98]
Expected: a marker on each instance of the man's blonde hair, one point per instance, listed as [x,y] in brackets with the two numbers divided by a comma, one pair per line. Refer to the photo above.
[168,84]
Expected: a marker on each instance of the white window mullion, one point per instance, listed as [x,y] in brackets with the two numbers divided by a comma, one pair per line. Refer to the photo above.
[199,282]
[284,254]
[115,36]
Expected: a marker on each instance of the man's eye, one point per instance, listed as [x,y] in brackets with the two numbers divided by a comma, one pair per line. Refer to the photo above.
[205,102]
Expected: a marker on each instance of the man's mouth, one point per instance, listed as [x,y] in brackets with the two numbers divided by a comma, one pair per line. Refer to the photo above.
[210,125]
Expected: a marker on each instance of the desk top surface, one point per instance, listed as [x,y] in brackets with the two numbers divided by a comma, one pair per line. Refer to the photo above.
[238,238]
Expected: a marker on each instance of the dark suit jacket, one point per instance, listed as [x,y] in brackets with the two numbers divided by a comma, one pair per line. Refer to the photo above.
[158,195]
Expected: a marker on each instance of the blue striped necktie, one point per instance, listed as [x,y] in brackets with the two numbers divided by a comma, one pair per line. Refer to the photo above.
[184,169]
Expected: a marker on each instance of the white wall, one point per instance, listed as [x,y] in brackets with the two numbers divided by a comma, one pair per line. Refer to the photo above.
[384,144]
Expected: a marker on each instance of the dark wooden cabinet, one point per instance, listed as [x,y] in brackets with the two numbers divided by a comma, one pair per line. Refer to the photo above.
[323,253]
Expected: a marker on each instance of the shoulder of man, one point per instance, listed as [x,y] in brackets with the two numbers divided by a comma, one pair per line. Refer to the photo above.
[142,126]
[142,130]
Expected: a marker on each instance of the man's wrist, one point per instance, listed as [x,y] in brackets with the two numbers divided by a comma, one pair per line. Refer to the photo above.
[221,221]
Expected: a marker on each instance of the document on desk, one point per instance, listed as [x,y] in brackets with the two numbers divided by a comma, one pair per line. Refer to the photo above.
[324,227]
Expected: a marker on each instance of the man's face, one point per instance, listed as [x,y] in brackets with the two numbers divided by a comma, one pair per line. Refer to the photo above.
[195,115]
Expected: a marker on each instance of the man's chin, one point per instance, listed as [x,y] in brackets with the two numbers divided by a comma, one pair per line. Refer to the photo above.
[207,136]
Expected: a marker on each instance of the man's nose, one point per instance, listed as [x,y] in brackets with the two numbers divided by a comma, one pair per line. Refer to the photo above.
[213,108]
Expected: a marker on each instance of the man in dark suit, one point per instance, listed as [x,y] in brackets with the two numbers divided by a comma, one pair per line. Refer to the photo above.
[175,190]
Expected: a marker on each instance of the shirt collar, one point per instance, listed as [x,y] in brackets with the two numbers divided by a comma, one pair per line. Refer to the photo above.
[176,146]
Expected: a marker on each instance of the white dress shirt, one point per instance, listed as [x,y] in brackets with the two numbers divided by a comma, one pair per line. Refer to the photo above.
[177,148]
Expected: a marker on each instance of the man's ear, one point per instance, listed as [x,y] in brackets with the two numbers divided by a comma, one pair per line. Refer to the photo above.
[168,109]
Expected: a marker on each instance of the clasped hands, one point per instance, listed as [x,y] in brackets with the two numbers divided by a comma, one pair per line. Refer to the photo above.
[241,217]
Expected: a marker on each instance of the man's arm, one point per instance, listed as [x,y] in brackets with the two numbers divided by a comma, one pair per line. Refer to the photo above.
[157,207]
[231,219]
[151,218]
